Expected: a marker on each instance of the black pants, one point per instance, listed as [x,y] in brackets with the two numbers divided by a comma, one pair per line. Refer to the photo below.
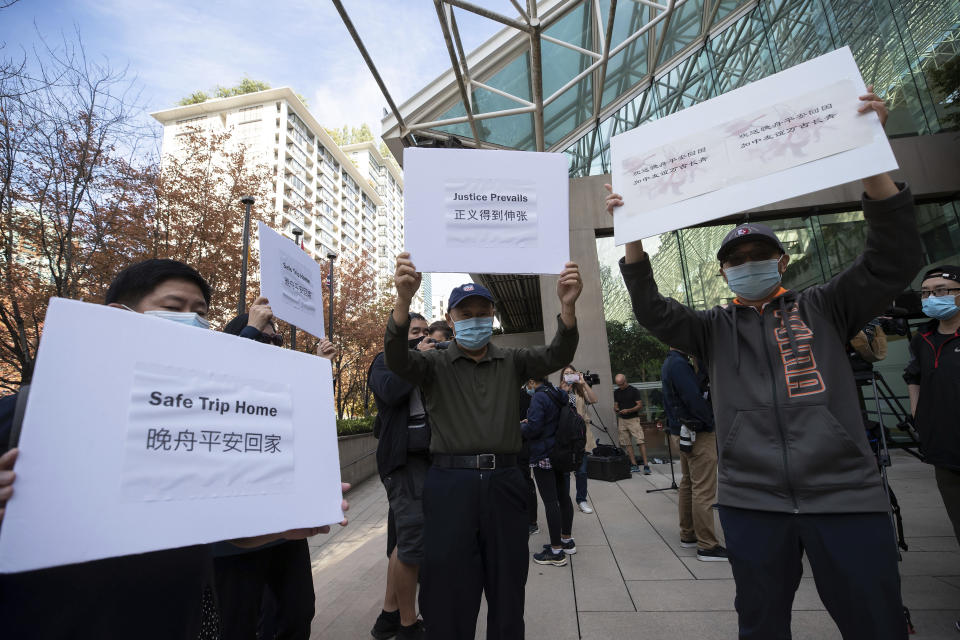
[554,489]
[854,562]
[475,542]
[282,569]
[948,481]
[531,493]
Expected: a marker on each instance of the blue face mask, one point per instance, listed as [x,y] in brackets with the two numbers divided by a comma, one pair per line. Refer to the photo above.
[473,333]
[754,280]
[940,308]
[530,391]
[183,317]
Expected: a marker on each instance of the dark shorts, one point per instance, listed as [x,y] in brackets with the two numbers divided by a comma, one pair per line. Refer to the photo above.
[404,487]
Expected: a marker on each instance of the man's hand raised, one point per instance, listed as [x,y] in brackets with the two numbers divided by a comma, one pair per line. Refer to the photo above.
[406,278]
[569,287]
[260,314]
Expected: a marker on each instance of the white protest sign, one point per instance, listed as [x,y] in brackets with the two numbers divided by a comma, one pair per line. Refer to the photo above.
[292,281]
[482,211]
[164,435]
[786,135]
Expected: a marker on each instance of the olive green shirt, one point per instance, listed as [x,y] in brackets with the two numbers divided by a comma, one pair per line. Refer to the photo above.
[472,406]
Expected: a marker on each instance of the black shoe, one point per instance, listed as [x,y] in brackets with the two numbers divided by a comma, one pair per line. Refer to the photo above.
[387,625]
[547,556]
[569,547]
[716,554]
[416,631]
[688,544]
[534,528]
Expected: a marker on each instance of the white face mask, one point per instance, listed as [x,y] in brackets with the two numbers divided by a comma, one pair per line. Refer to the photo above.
[189,318]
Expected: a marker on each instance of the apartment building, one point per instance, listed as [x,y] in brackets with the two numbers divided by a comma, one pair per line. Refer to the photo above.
[340,207]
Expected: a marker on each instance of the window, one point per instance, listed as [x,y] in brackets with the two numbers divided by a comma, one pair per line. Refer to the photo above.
[251,114]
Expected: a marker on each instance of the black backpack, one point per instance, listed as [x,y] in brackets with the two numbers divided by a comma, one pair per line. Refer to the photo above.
[570,439]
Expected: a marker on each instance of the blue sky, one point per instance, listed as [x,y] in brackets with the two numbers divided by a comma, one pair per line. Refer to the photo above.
[175,47]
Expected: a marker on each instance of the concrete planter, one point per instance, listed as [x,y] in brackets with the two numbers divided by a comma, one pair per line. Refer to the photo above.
[358,460]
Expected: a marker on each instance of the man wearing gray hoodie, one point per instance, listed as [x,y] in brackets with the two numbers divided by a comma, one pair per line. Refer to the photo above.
[796,474]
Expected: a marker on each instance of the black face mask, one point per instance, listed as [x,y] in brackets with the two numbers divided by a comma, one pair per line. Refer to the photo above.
[413,344]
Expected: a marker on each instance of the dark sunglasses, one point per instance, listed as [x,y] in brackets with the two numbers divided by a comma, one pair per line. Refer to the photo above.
[276,339]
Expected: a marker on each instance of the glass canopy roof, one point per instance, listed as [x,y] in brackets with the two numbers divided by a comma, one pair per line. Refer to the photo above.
[565,75]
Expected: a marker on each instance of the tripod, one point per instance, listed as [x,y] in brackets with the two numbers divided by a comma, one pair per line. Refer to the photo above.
[673,479]
[874,380]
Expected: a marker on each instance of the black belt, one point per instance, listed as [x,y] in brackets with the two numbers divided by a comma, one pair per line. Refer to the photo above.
[481,461]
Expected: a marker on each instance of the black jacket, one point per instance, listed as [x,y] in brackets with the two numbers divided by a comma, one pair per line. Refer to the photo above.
[789,430]
[392,395]
[938,374]
[683,401]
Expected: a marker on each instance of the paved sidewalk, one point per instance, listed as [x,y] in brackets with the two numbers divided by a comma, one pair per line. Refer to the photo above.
[630,578]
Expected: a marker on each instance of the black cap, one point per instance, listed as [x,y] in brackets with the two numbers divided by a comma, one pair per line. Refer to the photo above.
[465,291]
[947,271]
[745,233]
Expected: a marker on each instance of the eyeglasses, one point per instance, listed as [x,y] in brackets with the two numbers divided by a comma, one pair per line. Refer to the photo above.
[939,292]
[276,339]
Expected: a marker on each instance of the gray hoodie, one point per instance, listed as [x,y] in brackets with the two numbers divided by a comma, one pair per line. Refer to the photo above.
[789,430]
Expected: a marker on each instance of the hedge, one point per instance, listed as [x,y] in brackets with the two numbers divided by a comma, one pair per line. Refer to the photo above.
[355,426]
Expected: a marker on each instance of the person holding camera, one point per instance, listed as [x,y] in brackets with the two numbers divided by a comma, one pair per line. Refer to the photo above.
[581,395]
[475,527]
[689,420]
[796,473]
[403,441]
[933,380]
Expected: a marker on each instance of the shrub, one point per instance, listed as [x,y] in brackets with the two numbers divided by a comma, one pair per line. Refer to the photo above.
[355,426]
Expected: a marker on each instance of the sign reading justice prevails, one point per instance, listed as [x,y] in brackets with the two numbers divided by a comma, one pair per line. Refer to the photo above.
[486,211]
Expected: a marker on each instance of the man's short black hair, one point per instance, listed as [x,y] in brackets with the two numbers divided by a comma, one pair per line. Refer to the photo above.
[416,316]
[137,281]
[440,325]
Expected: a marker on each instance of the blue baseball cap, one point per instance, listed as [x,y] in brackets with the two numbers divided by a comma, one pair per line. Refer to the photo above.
[465,291]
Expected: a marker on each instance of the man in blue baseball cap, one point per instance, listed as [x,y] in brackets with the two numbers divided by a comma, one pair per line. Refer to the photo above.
[474,497]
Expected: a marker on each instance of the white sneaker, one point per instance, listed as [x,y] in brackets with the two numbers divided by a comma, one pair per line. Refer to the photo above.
[585,507]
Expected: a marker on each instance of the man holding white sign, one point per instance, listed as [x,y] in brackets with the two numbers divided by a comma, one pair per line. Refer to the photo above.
[796,473]
[118,597]
[474,497]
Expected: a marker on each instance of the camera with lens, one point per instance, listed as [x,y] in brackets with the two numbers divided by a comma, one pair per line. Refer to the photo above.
[439,345]
[591,378]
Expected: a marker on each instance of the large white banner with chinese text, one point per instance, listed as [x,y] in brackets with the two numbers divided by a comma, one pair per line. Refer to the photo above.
[482,211]
[161,435]
[786,135]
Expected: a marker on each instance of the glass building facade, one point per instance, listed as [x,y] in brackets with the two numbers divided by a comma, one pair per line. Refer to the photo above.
[896,44]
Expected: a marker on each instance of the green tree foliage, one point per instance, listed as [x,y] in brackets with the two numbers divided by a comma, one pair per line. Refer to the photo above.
[351,135]
[247,85]
[946,80]
[194,98]
[634,352]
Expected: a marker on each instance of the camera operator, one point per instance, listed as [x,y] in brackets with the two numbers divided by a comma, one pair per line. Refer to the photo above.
[933,379]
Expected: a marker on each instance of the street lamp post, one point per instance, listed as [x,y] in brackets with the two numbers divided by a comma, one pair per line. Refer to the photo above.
[331,256]
[297,232]
[242,303]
